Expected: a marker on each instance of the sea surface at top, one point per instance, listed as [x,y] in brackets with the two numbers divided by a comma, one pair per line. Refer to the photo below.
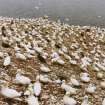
[74,12]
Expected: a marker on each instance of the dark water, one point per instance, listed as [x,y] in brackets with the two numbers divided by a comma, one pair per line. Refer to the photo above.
[77,12]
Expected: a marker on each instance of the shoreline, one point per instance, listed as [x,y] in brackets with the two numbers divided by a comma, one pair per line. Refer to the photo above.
[47,17]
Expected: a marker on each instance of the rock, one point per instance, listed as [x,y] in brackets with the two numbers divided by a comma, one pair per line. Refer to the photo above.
[99,75]
[102,84]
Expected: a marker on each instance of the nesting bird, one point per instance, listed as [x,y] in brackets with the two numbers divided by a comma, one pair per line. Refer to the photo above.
[7,60]
[74,81]
[56,58]
[9,92]
[69,90]
[45,69]
[91,88]
[20,79]
[103,102]
[20,56]
[32,100]
[44,78]
[85,101]
[37,87]
[85,77]
[69,101]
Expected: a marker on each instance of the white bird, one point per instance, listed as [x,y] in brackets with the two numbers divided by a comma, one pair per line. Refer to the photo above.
[74,62]
[20,56]
[44,78]
[38,49]
[45,69]
[91,88]
[20,79]
[85,77]
[8,92]
[58,60]
[68,88]
[85,101]
[69,101]
[103,102]
[7,60]
[74,81]
[32,100]
[37,87]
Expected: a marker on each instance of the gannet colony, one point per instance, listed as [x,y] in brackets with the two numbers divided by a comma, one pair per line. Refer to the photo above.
[45,62]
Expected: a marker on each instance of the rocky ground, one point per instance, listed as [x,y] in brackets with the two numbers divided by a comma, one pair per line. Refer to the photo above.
[68,51]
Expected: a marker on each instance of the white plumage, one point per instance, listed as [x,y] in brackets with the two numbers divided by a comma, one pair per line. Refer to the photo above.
[74,81]
[20,56]
[32,100]
[44,68]
[7,61]
[44,78]
[85,101]
[69,101]
[37,88]
[103,102]
[20,79]
[68,89]
[91,88]
[9,93]
[85,77]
